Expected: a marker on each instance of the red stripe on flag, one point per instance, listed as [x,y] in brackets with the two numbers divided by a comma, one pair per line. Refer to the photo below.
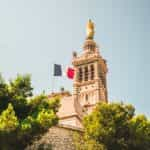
[70,73]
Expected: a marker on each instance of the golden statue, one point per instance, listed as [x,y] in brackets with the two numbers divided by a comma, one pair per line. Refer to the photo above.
[90,29]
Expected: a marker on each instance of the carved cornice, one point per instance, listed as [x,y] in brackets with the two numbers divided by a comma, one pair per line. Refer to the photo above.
[85,59]
[71,116]
[84,83]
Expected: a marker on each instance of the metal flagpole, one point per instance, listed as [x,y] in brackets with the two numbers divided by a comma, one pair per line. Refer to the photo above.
[52,78]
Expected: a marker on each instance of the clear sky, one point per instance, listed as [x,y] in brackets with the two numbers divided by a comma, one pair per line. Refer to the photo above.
[36,33]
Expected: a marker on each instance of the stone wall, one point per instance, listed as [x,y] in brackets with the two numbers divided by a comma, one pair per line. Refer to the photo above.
[57,138]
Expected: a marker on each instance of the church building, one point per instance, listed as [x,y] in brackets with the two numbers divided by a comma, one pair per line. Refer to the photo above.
[89,84]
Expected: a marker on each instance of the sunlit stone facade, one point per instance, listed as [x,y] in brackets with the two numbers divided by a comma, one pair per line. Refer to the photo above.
[89,84]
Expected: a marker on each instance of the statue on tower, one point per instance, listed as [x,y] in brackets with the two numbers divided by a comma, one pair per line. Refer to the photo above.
[90,29]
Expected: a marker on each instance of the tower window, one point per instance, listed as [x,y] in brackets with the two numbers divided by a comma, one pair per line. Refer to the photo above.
[86,73]
[92,72]
[86,97]
[80,74]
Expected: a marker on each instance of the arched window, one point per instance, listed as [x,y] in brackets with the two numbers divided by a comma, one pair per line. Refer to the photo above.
[80,74]
[86,73]
[86,97]
[92,72]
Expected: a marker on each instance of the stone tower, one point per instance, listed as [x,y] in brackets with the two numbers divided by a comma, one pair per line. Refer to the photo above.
[89,85]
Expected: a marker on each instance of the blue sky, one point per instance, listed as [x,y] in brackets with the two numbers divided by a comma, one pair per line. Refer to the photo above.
[36,33]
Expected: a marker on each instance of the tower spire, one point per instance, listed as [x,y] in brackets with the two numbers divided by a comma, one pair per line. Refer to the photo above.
[90,30]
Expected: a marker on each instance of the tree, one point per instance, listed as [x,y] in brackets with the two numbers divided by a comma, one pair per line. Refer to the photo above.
[4,94]
[21,86]
[8,126]
[16,91]
[81,142]
[8,120]
[117,128]
[140,133]
[20,90]
[22,117]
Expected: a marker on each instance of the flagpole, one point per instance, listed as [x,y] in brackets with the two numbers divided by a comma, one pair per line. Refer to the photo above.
[52,82]
[52,78]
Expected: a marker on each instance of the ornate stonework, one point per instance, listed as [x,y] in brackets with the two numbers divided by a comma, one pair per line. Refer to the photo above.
[90,77]
[89,85]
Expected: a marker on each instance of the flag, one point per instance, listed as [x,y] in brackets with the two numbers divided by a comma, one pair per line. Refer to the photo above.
[57,70]
[70,73]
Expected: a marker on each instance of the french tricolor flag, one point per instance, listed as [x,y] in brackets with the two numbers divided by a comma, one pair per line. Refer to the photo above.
[58,71]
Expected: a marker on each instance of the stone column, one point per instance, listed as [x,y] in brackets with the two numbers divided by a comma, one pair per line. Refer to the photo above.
[75,82]
[89,72]
[96,70]
[83,73]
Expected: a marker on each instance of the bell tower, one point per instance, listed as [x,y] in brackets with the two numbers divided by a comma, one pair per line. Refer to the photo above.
[89,85]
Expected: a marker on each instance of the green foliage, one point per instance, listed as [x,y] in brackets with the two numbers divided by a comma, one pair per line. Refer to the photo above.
[117,128]
[21,86]
[46,118]
[83,143]
[19,90]
[4,94]
[140,133]
[8,120]
[23,117]
[16,92]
